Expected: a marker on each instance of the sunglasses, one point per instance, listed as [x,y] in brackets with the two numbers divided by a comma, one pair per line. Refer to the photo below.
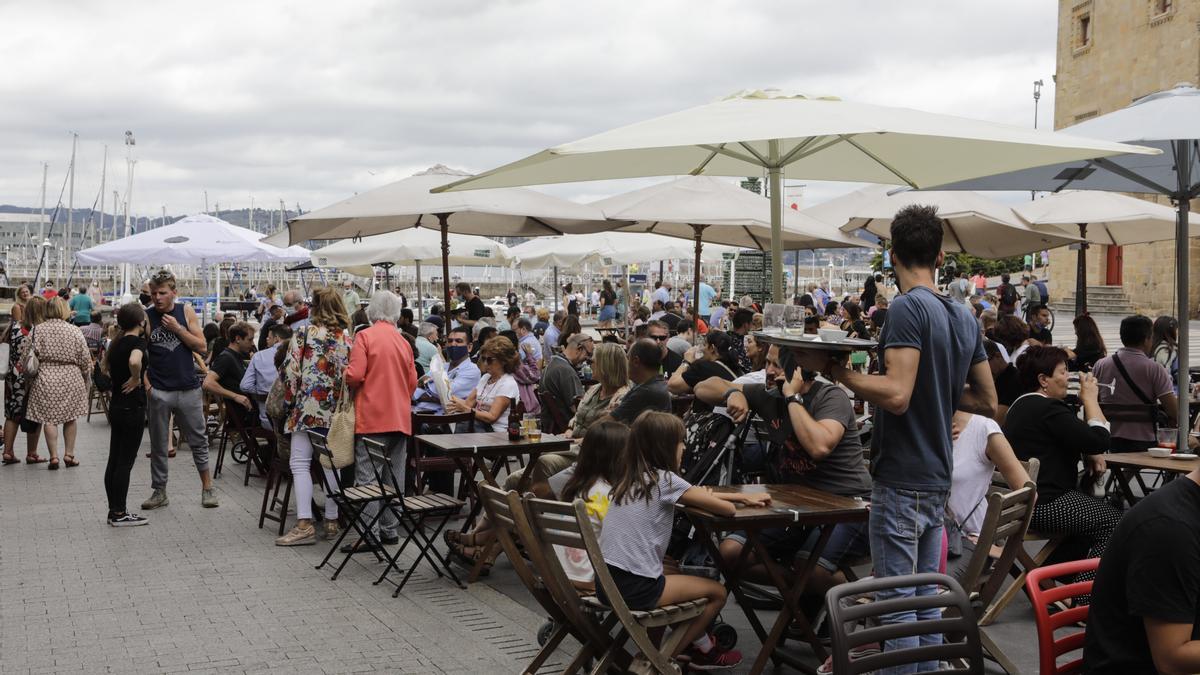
[660,338]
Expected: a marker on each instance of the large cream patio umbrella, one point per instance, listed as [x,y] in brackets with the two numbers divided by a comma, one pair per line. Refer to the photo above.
[795,136]
[971,223]
[708,209]
[1108,218]
[412,247]
[410,204]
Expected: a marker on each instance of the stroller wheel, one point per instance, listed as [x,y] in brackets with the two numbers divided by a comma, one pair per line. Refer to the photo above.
[726,635]
[545,631]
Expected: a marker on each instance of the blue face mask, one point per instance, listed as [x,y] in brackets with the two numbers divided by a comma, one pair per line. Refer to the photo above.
[456,352]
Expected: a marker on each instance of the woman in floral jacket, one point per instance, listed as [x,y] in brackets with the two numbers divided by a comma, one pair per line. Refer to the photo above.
[317,356]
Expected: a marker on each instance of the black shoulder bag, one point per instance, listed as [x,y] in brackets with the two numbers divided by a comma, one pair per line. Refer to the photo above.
[1158,416]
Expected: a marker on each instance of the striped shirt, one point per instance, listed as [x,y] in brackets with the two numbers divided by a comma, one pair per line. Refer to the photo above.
[636,533]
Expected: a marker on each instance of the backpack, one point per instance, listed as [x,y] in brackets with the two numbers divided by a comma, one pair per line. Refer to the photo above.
[1008,295]
[1041,285]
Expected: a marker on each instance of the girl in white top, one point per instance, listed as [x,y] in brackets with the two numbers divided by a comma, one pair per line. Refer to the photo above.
[979,449]
[497,389]
[637,530]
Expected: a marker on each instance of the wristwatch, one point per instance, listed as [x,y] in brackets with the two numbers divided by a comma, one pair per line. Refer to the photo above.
[796,398]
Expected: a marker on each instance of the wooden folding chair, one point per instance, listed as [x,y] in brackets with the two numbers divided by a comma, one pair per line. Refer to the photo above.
[411,512]
[351,502]
[553,525]
[1004,523]
[560,601]
[97,401]
[420,464]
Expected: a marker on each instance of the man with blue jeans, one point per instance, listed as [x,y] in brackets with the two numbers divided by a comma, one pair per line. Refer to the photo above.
[932,347]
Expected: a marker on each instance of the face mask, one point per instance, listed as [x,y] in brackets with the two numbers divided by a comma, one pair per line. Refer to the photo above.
[456,352]
[289,310]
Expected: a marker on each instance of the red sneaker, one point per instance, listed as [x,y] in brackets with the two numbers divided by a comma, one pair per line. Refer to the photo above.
[715,659]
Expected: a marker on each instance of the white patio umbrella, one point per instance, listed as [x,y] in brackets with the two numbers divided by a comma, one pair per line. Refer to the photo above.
[195,240]
[794,136]
[1107,218]
[708,209]
[972,223]
[413,247]
[1168,121]
[410,204]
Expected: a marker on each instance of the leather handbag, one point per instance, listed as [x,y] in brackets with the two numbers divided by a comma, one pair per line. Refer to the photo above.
[30,364]
[340,439]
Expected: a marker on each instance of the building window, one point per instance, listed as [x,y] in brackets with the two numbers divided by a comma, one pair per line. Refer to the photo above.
[1084,32]
[1082,27]
[1161,11]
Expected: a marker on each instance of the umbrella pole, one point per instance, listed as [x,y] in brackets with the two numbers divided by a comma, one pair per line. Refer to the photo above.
[556,288]
[419,303]
[1081,273]
[775,177]
[444,224]
[1183,170]
[698,231]
[628,301]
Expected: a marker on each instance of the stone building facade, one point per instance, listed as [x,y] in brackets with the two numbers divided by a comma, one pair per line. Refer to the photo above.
[1110,53]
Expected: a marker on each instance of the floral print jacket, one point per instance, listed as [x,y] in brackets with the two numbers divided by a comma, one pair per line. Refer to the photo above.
[317,356]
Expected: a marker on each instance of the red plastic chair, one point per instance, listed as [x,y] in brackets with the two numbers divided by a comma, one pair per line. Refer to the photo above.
[1049,648]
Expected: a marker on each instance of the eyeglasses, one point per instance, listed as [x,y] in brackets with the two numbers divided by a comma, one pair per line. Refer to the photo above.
[487,359]
[659,338]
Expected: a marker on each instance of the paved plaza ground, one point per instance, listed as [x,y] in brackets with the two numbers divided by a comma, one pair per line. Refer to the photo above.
[204,590]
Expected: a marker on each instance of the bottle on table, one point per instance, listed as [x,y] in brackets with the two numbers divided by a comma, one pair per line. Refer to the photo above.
[514,421]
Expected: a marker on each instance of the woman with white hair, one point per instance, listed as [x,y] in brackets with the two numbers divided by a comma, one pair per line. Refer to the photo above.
[382,376]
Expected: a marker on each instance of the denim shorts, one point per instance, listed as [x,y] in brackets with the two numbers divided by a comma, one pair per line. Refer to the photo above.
[847,542]
[640,593]
[607,313]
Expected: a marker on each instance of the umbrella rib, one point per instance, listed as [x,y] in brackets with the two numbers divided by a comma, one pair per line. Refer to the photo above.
[1130,175]
[544,224]
[787,157]
[757,155]
[722,150]
[793,156]
[753,238]
[878,161]
[700,169]
[954,234]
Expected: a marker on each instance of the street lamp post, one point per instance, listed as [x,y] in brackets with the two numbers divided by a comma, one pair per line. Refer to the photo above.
[1037,95]
[129,163]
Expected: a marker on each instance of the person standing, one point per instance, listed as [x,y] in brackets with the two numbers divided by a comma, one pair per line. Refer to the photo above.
[608,305]
[1033,296]
[175,336]
[960,288]
[125,361]
[58,394]
[980,283]
[929,347]
[24,293]
[81,306]
[382,376]
[870,290]
[472,303]
[16,390]
[1007,294]
[317,357]
[350,296]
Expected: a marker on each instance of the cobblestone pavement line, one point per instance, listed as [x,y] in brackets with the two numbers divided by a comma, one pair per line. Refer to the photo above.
[204,590]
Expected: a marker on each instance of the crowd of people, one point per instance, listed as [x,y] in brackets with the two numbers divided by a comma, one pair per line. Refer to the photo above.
[963,383]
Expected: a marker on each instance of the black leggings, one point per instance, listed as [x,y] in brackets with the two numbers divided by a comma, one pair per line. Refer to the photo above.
[126,426]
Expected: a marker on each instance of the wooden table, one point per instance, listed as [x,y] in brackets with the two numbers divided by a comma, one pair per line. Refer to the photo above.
[1127,466]
[471,453]
[791,506]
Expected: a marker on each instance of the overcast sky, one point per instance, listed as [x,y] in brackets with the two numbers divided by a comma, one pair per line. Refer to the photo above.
[311,102]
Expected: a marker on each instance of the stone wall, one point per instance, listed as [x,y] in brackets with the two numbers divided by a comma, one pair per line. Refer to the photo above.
[1110,53]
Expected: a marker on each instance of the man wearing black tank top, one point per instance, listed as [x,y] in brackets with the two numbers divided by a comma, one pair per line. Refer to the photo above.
[174,335]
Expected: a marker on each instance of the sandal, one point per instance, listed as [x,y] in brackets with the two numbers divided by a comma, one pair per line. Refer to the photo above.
[458,539]
[70,461]
[35,459]
[469,556]
[53,464]
[9,459]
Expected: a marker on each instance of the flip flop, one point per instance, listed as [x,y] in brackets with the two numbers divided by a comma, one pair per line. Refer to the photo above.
[35,459]
[11,460]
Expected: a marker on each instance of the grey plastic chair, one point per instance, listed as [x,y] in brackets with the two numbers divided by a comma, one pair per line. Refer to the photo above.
[846,612]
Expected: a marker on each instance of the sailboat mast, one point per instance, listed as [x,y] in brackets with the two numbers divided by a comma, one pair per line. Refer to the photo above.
[103,176]
[66,248]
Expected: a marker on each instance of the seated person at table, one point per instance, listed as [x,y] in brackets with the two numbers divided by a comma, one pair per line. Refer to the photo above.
[714,359]
[1040,424]
[683,339]
[638,527]
[649,389]
[224,378]
[1146,597]
[814,442]
[261,374]
[462,373]
[661,334]
[493,397]
[611,370]
[1139,380]
[560,384]
[980,448]
[525,336]
[1004,375]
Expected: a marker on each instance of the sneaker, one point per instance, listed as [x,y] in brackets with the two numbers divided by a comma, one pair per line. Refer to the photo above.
[298,536]
[715,659]
[157,500]
[869,649]
[208,499]
[127,520]
[330,527]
